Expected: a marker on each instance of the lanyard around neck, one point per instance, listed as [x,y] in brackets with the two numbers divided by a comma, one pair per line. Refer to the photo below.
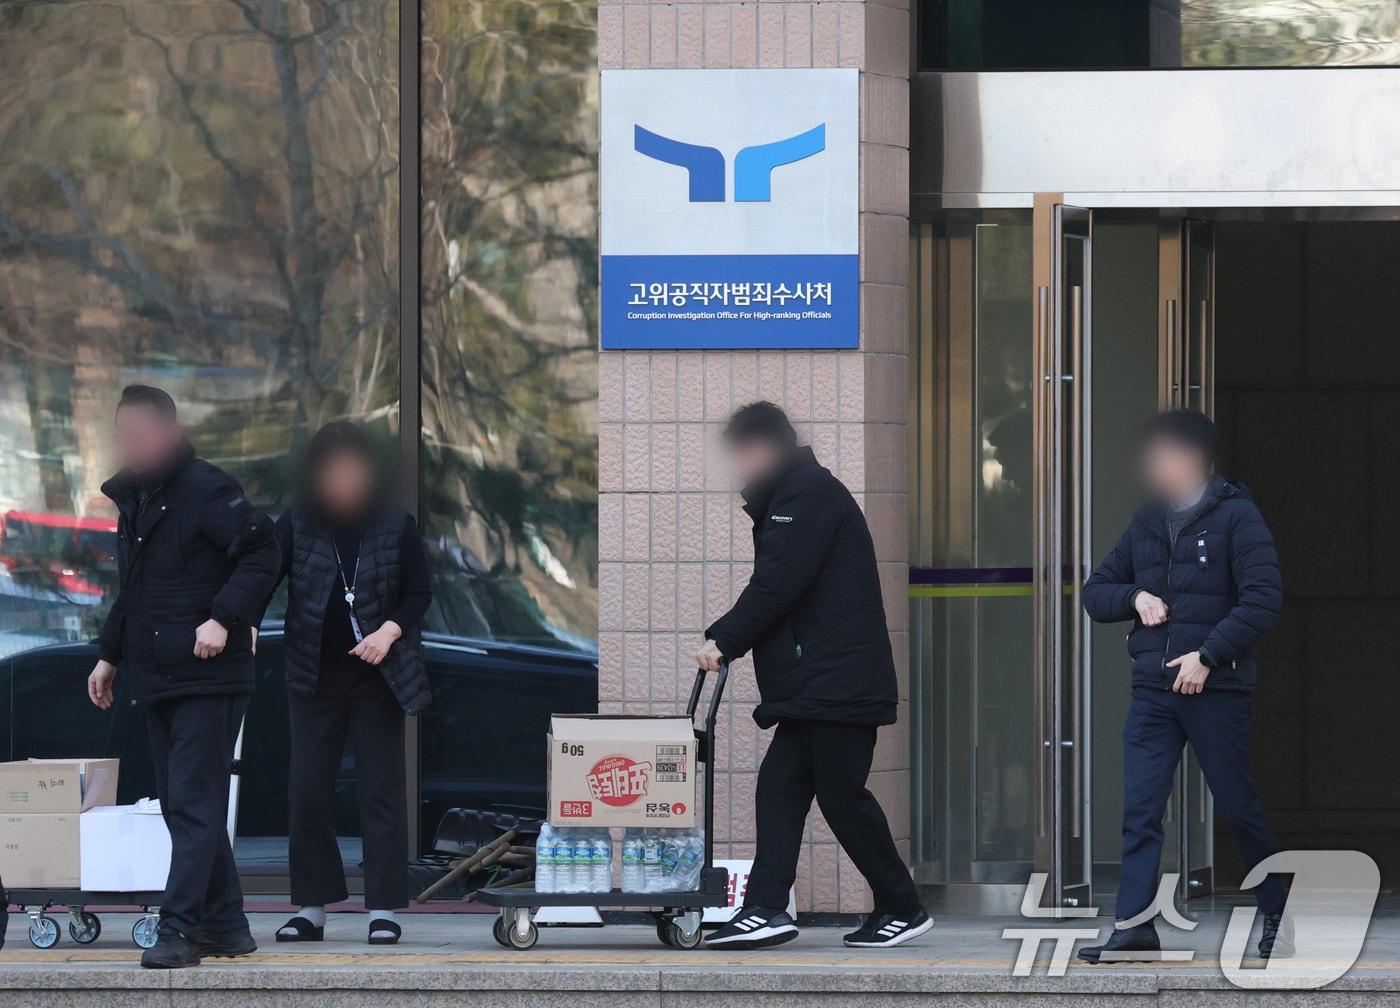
[349,585]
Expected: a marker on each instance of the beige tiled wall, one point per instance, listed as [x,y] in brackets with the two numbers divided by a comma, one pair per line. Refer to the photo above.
[674,548]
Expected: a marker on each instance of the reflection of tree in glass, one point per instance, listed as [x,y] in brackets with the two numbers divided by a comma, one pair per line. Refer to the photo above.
[1290,32]
[205,196]
[509,312]
[201,195]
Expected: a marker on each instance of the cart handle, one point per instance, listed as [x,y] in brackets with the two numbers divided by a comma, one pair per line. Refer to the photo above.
[706,737]
[699,687]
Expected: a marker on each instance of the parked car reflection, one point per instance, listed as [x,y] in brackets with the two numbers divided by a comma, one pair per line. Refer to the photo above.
[483,737]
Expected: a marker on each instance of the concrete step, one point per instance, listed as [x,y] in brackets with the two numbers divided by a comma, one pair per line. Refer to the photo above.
[452,960]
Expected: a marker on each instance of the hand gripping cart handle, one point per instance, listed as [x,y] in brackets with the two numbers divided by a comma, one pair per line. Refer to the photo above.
[678,914]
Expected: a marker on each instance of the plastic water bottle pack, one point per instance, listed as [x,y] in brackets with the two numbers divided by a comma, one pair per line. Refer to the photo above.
[662,860]
[573,860]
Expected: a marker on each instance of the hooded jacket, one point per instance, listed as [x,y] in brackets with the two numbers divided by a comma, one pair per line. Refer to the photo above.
[811,613]
[189,547]
[1220,582]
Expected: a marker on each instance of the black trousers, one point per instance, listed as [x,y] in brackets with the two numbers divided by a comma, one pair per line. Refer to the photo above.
[353,704]
[829,761]
[1218,724]
[192,740]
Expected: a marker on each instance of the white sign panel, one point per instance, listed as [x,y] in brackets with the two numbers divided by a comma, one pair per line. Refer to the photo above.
[730,208]
[739,870]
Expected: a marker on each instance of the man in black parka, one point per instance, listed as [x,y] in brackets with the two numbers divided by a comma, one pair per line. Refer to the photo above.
[195,562]
[1197,574]
[813,617]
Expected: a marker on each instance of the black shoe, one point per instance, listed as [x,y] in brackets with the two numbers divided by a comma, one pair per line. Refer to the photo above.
[172,950]
[882,930]
[228,945]
[754,928]
[1277,940]
[1135,944]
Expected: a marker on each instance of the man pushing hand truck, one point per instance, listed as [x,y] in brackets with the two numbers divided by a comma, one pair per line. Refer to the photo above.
[813,617]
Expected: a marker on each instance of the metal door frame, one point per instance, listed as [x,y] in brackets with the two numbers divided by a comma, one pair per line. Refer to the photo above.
[1062,711]
[1179,239]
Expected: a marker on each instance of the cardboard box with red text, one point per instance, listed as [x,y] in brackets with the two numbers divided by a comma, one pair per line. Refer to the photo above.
[622,771]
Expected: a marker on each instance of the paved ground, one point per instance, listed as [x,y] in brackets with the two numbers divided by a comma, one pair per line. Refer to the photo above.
[621,965]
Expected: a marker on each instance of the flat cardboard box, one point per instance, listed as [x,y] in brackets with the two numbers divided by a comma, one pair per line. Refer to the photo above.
[39,851]
[54,786]
[622,771]
[125,849]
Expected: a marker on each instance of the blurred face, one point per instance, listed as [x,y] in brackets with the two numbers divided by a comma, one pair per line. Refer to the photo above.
[345,483]
[144,438]
[752,460]
[1173,471]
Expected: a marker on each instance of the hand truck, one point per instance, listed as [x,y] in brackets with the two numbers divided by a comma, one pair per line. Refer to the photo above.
[678,914]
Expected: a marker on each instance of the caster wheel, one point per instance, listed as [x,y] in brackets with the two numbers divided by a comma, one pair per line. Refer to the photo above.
[676,938]
[498,932]
[145,932]
[516,941]
[663,932]
[43,933]
[86,929]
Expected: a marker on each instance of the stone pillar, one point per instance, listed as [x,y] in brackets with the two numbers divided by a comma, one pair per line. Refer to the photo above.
[674,547]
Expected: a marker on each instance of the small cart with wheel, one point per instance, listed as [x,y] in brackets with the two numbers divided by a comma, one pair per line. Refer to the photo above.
[84,926]
[678,914]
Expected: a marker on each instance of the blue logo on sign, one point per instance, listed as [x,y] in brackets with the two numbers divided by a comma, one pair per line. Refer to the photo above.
[753,166]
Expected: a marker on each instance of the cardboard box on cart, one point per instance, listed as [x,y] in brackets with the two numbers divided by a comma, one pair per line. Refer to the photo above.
[622,771]
[40,806]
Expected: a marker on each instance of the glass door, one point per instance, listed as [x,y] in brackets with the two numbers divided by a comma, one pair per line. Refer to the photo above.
[1062,269]
[971,381]
[1187,359]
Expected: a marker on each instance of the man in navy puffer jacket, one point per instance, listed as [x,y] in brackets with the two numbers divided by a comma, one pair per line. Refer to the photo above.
[1198,575]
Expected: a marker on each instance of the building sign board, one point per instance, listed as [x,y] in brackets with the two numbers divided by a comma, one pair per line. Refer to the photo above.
[730,209]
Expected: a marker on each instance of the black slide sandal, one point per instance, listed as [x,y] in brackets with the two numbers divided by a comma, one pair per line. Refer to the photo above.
[305,931]
[384,932]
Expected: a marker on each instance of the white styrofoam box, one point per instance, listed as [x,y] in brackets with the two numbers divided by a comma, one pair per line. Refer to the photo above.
[124,848]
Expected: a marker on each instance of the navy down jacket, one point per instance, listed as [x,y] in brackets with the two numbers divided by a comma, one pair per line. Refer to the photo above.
[1220,582]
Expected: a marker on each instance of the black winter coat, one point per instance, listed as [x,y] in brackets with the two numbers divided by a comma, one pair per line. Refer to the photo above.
[812,612]
[314,575]
[194,549]
[1221,585]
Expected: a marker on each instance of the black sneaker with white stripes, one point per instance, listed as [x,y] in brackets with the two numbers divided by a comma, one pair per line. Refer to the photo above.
[754,928]
[882,930]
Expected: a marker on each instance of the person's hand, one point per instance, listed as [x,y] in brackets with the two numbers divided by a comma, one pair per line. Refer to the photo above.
[375,647]
[1191,677]
[1150,609]
[709,657]
[255,639]
[210,639]
[104,673]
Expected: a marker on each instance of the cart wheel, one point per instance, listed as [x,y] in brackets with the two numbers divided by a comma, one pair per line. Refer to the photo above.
[498,932]
[531,936]
[43,932]
[663,932]
[676,938]
[146,931]
[85,929]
